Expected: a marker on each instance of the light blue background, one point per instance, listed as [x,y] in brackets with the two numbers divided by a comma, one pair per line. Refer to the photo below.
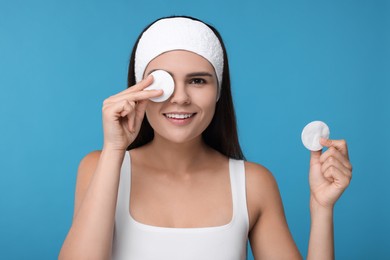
[291,62]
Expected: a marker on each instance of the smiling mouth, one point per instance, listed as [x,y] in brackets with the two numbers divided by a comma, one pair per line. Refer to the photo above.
[179,116]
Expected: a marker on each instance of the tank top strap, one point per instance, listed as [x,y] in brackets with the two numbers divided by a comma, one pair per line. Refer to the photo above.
[238,185]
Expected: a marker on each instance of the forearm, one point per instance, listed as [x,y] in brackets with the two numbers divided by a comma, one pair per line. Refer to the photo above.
[321,243]
[91,233]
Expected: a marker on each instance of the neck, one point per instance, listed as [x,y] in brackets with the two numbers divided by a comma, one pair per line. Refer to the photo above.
[177,157]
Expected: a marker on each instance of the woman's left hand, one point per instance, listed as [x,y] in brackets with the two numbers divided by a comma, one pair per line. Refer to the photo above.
[330,173]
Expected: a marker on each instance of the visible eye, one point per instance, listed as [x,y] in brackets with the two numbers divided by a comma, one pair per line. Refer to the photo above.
[197,81]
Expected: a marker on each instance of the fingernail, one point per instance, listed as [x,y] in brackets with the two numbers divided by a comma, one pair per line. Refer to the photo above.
[324,140]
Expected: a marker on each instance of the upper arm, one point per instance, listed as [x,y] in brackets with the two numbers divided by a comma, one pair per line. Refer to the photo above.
[269,235]
[85,172]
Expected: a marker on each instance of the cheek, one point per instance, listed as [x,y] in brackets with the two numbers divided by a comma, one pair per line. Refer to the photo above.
[207,116]
[211,111]
[206,99]
[207,95]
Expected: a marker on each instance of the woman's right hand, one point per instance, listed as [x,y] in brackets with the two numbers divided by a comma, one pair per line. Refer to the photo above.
[123,114]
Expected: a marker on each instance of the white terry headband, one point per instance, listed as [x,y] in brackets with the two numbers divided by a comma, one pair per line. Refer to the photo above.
[178,33]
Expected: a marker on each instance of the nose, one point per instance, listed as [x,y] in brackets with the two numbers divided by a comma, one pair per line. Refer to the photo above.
[180,94]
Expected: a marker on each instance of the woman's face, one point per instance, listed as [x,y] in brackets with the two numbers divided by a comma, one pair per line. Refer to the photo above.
[190,109]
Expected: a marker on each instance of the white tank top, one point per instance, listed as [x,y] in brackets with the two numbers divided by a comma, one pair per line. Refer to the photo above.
[136,241]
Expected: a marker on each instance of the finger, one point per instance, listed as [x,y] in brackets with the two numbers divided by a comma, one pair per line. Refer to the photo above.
[315,157]
[135,118]
[136,96]
[128,107]
[146,94]
[135,88]
[340,145]
[333,162]
[116,110]
[140,85]
[143,83]
[130,113]
[130,122]
[140,111]
[124,123]
[333,152]
[335,176]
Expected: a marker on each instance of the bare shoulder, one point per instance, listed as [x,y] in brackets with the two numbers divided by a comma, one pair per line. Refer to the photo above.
[87,167]
[269,235]
[261,190]
[89,161]
[258,178]
[85,172]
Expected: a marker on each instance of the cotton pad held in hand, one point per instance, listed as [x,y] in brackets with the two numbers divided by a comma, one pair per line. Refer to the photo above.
[312,133]
[162,80]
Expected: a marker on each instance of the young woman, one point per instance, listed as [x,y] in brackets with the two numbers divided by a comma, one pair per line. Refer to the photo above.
[171,181]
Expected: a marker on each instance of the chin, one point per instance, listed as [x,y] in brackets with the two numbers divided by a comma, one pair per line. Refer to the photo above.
[179,138]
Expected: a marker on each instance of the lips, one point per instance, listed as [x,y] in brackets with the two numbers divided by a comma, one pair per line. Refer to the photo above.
[179,115]
[179,118]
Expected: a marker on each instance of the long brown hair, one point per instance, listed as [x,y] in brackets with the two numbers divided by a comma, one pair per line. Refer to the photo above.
[221,134]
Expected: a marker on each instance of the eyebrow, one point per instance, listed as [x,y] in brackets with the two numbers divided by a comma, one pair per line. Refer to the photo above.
[200,74]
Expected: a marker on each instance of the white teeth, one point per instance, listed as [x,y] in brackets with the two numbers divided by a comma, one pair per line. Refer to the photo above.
[178,116]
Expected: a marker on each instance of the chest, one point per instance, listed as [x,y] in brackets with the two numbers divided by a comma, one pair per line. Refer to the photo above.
[201,199]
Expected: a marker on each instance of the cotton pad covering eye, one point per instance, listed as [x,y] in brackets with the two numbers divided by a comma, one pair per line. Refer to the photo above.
[312,133]
[162,80]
